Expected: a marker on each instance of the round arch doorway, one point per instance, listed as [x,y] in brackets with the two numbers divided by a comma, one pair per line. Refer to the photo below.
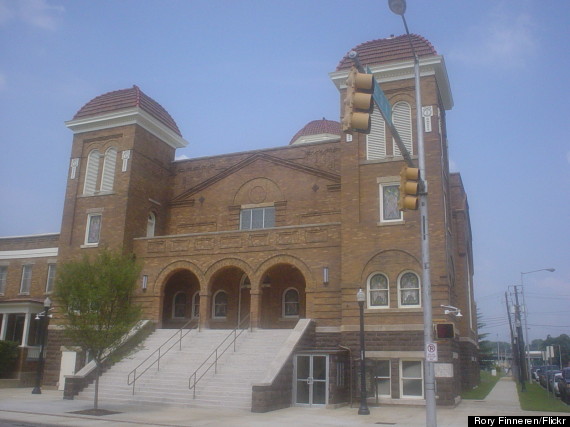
[181,301]
[283,300]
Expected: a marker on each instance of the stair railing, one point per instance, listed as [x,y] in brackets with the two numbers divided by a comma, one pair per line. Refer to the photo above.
[217,354]
[134,376]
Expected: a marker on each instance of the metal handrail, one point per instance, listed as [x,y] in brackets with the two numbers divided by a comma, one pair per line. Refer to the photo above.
[192,384]
[133,373]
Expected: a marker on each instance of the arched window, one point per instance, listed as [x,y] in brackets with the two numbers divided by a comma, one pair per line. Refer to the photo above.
[220,305]
[290,303]
[378,292]
[402,118]
[409,290]
[179,306]
[108,175]
[196,305]
[150,224]
[376,139]
[91,173]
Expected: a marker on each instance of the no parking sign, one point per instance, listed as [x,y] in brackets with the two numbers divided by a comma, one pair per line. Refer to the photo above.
[431,352]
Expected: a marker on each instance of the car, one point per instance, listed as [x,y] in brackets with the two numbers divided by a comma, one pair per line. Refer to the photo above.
[564,385]
[550,379]
[553,381]
[542,374]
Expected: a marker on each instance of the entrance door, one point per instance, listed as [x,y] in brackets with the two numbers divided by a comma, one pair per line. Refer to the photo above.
[311,380]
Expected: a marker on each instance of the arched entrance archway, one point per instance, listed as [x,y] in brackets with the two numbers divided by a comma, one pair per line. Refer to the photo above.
[230,298]
[283,300]
[181,301]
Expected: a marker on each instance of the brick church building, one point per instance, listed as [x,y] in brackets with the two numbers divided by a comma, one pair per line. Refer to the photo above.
[271,237]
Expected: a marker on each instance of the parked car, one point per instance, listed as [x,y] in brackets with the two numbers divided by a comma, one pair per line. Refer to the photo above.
[542,374]
[534,372]
[550,378]
[564,385]
[552,381]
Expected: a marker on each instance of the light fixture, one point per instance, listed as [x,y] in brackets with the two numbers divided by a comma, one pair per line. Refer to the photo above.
[325,276]
[449,309]
[144,282]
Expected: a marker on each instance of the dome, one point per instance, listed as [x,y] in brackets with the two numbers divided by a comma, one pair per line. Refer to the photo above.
[318,130]
[388,50]
[125,99]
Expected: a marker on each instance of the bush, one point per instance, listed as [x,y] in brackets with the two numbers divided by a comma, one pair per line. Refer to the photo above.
[8,357]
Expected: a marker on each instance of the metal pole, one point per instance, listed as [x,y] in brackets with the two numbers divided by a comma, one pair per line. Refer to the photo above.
[363,410]
[431,416]
[37,389]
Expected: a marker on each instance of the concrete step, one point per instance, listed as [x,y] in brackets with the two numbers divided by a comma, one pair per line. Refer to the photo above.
[229,387]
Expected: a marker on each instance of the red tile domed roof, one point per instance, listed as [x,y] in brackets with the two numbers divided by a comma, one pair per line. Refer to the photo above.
[123,99]
[388,50]
[317,127]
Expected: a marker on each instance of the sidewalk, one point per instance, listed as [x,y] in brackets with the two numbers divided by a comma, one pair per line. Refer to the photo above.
[49,408]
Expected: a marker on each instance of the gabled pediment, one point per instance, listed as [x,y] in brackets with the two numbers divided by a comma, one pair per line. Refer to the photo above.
[186,196]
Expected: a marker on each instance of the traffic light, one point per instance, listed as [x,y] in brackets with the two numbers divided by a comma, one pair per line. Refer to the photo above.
[409,188]
[444,330]
[358,102]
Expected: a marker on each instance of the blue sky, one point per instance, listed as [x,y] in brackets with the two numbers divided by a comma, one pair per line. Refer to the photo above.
[247,74]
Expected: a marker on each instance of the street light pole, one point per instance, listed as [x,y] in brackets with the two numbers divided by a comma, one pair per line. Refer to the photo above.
[527,342]
[399,8]
[363,410]
[44,319]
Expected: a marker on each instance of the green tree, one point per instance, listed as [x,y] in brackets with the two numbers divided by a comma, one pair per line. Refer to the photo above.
[486,347]
[95,296]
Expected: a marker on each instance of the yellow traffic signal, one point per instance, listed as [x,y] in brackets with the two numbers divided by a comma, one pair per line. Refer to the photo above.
[358,102]
[409,188]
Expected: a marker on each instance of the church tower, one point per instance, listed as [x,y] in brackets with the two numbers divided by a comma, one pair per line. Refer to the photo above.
[120,172]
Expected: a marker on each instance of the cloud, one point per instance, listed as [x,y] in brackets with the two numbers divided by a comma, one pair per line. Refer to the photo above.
[36,13]
[505,39]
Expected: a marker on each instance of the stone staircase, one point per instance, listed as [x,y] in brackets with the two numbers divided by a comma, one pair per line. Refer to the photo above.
[230,387]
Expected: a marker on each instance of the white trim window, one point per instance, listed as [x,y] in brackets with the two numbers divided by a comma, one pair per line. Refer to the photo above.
[290,303]
[376,139]
[402,119]
[108,175]
[93,229]
[220,305]
[26,282]
[3,278]
[409,294]
[150,224]
[91,173]
[378,291]
[196,305]
[256,218]
[383,377]
[389,196]
[50,278]
[179,305]
[411,379]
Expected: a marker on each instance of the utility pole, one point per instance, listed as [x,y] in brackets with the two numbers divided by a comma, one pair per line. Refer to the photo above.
[514,358]
[520,341]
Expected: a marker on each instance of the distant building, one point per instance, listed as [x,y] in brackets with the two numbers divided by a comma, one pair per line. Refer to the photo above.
[277,234]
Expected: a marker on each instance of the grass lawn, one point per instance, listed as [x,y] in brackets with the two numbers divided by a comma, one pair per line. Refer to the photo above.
[487,383]
[535,398]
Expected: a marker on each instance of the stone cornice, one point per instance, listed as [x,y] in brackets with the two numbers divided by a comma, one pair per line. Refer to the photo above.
[394,71]
[128,116]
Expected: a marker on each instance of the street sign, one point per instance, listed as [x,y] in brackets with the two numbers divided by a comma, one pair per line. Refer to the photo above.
[386,111]
[431,352]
